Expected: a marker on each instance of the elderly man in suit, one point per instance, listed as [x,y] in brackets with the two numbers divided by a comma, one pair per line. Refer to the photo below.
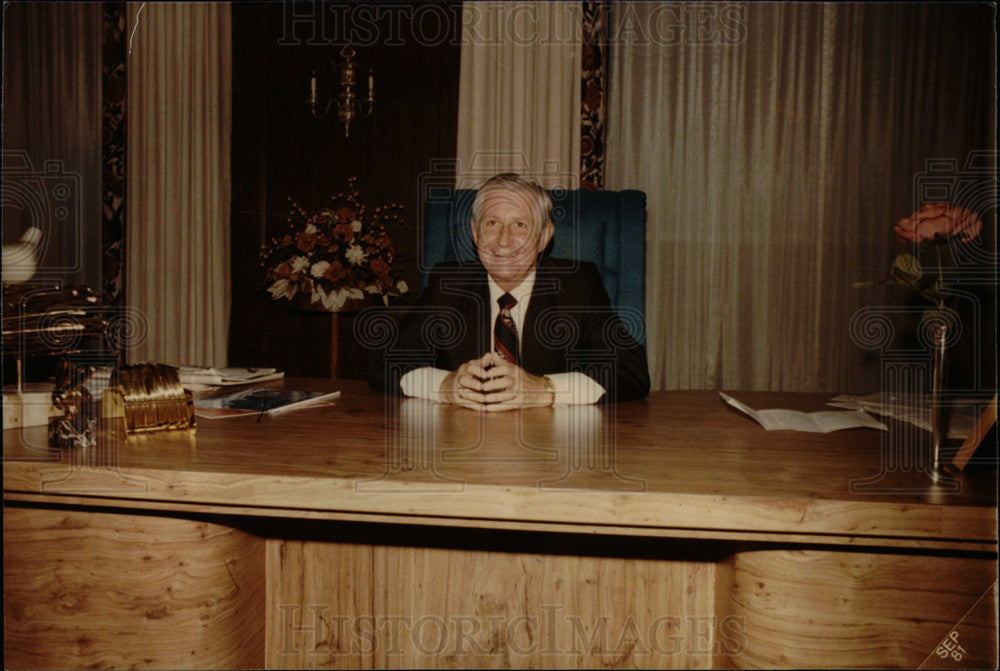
[517,328]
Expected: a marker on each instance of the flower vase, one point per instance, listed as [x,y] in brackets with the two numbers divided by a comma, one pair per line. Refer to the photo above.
[939,335]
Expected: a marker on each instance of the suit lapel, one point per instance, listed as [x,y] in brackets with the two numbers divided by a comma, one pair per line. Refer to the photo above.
[472,299]
[534,354]
[472,294]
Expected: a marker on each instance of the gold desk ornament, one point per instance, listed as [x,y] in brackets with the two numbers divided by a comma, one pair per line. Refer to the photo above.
[149,397]
[77,427]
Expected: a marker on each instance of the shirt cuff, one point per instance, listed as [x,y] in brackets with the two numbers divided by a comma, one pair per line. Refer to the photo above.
[575,388]
[422,382]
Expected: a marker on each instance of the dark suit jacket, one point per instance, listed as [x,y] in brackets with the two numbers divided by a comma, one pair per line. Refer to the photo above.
[569,326]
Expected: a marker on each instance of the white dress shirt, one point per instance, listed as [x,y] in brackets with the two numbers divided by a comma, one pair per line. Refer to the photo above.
[571,388]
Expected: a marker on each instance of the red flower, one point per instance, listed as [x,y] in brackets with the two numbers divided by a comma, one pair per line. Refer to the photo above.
[305,242]
[935,219]
[344,232]
[345,214]
[335,272]
[323,236]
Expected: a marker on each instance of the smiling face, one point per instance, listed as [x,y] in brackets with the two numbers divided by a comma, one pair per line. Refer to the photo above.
[509,234]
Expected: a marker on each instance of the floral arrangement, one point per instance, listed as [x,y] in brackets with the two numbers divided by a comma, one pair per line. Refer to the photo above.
[335,254]
[932,227]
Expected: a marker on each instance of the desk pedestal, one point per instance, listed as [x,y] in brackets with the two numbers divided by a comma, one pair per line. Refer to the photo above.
[86,587]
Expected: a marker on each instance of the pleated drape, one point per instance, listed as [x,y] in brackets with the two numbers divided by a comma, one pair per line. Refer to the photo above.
[52,135]
[178,163]
[778,143]
[519,92]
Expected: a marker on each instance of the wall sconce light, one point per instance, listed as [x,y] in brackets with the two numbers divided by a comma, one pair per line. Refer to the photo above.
[349,104]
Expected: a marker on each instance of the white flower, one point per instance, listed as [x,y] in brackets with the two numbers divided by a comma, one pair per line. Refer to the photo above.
[356,226]
[355,293]
[299,264]
[311,229]
[355,254]
[332,301]
[402,287]
[282,289]
[319,268]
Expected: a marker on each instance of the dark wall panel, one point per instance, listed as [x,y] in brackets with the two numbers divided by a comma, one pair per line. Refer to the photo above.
[280,151]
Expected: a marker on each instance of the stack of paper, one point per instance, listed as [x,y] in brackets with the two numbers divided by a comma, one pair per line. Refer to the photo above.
[198,379]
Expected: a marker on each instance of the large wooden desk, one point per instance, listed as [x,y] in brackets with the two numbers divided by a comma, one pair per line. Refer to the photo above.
[383,533]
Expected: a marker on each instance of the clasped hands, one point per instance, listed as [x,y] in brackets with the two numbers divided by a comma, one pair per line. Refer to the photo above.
[491,383]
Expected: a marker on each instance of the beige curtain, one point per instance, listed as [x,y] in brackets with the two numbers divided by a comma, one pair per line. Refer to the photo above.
[519,92]
[177,206]
[778,144]
[52,135]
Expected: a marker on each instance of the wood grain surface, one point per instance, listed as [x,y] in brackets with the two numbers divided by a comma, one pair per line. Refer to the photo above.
[818,609]
[677,461]
[387,533]
[494,600]
[100,590]
[319,601]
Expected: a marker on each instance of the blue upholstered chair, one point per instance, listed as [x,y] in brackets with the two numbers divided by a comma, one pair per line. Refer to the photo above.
[607,228]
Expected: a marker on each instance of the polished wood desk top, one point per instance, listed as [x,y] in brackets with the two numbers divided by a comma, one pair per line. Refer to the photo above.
[678,464]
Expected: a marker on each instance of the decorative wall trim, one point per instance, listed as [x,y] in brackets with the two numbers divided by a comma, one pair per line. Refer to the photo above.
[113,153]
[593,105]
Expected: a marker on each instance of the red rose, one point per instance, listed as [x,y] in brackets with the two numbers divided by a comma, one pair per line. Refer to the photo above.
[935,219]
[305,241]
[344,232]
[335,272]
[345,214]
[380,267]
[284,270]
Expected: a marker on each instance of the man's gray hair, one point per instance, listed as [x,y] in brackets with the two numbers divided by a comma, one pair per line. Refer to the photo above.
[538,198]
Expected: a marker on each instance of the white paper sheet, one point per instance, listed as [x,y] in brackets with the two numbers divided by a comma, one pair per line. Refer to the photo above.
[823,421]
[915,409]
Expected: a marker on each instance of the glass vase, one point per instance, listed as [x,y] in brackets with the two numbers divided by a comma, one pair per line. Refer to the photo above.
[939,335]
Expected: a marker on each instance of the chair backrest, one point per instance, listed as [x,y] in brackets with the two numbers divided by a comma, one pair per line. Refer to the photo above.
[607,228]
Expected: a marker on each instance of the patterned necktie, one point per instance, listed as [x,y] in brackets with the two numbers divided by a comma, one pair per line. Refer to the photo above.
[505,331]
